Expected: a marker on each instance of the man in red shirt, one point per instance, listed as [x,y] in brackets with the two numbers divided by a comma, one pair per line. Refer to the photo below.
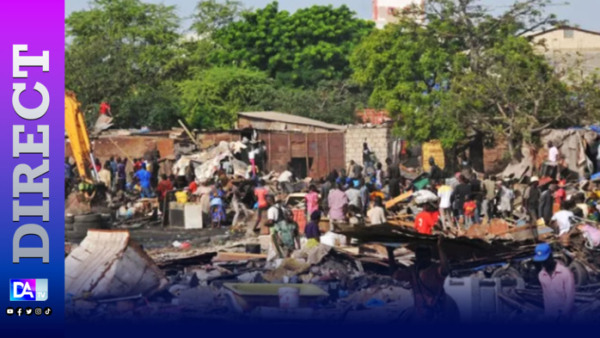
[427,219]
[162,189]
[137,164]
[105,109]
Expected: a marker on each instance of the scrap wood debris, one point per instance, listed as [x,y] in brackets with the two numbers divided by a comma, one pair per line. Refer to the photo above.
[351,256]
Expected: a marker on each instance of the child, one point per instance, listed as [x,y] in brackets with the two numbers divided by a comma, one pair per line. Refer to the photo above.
[285,235]
[217,212]
[312,232]
[469,209]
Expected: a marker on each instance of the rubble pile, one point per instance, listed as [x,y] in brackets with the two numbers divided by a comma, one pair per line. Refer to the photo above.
[269,255]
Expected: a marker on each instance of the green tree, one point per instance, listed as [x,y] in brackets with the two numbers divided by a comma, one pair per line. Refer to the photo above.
[155,107]
[301,49]
[520,94]
[407,70]
[214,97]
[333,101]
[196,50]
[117,49]
[411,66]
[211,15]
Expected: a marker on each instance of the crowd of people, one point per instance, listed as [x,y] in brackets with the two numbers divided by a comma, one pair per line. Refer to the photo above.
[355,196]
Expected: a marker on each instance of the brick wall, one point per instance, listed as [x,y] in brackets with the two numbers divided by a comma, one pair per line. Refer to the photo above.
[378,138]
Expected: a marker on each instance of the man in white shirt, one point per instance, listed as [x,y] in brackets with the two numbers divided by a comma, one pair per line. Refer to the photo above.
[353,195]
[284,180]
[377,213]
[552,152]
[274,216]
[273,212]
[562,219]
[180,168]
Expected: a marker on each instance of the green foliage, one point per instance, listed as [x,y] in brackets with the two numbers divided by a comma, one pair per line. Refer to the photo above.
[116,47]
[300,49]
[331,101]
[520,94]
[417,71]
[212,15]
[404,63]
[147,106]
[214,97]
[467,71]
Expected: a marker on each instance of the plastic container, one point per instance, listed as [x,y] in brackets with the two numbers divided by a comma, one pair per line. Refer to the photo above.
[289,298]
[333,239]
[328,239]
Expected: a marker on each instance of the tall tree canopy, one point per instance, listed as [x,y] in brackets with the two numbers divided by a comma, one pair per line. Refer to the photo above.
[302,48]
[214,97]
[408,69]
[464,70]
[118,48]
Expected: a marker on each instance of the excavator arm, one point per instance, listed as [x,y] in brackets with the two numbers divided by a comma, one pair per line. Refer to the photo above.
[78,137]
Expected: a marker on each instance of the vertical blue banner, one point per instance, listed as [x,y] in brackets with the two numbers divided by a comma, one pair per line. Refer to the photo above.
[32,157]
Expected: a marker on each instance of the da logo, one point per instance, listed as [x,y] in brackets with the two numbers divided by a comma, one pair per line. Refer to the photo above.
[28,290]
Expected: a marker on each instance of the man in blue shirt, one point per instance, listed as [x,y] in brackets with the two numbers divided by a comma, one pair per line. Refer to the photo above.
[144,176]
[113,172]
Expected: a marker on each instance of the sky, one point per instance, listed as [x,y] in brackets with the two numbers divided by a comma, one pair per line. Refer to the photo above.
[583,13]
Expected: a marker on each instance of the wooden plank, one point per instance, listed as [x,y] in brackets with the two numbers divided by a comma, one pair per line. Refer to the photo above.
[236,256]
[393,202]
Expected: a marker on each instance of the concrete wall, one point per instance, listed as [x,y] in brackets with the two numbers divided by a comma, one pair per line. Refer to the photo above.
[557,40]
[386,11]
[378,138]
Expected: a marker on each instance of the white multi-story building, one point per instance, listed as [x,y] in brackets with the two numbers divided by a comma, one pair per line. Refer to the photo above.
[386,11]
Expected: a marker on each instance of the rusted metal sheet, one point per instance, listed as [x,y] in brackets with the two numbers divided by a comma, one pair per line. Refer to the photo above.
[135,146]
[208,139]
[324,150]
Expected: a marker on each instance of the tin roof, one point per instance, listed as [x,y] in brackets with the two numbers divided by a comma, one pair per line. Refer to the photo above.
[288,118]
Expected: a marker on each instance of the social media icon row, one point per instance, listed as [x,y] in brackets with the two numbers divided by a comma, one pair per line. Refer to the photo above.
[28,311]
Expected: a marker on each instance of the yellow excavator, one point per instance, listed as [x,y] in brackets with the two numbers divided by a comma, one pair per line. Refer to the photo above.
[79,139]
